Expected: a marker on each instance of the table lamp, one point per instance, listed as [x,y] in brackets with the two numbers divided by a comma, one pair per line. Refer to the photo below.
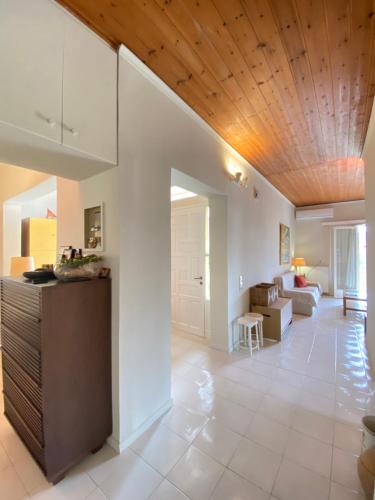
[19,265]
[298,262]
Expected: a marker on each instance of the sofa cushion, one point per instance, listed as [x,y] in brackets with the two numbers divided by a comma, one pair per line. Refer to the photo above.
[303,295]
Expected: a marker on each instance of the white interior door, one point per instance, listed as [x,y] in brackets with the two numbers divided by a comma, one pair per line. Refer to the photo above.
[188,269]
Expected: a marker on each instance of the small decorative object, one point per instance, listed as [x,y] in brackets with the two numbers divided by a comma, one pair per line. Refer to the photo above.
[284,244]
[93,242]
[78,267]
[368,440]
[105,272]
[47,267]
[93,227]
[263,294]
[39,276]
[65,251]
[50,214]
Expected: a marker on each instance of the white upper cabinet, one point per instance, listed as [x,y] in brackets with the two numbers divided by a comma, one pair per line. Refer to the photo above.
[57,78]
[31,57]
[89,93]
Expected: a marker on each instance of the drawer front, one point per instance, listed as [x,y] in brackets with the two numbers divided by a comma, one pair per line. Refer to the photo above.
[21,296]
[24,382]
[29,414]
[23,353]
[24,432]
[21,323]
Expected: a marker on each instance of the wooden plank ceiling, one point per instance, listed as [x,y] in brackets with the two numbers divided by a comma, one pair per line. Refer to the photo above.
[288,83]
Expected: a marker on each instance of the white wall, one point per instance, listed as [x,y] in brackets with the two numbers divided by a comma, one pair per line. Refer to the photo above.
[70,221]
[313,240]
[11,234]
[158,133]
[72,198]
[39,206]
[369,159]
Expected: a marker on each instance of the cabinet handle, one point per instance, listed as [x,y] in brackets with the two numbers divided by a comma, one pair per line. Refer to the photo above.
[73,131]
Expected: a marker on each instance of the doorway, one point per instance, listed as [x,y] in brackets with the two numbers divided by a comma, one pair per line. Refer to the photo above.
[350,260]
[30,226]
[190,263]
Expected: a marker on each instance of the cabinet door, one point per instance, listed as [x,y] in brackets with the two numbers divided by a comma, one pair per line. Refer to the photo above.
[42,234]
[90,93]
[31,57]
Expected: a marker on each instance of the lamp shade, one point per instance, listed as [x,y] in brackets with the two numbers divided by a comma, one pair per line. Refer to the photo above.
[299,261]
[19,265]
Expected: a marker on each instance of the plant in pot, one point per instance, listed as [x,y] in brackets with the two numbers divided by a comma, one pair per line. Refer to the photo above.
[76,267]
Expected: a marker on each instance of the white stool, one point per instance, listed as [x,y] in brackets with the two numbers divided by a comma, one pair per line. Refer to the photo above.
[259,318]
[246,324]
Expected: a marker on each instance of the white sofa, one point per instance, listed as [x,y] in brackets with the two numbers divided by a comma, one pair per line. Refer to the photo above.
[304,300]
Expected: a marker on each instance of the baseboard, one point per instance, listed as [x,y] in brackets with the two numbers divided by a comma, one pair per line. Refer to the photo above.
[219,347]
[121,446]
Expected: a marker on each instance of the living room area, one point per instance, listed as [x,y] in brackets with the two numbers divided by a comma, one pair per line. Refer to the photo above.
[284,409]
[297,393]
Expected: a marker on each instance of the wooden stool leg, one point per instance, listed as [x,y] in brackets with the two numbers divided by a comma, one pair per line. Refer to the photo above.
[261,334]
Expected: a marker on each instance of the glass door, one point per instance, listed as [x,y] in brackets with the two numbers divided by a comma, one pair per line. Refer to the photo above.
[349,260]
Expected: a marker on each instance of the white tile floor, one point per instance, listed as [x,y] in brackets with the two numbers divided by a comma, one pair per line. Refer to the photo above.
[283,425]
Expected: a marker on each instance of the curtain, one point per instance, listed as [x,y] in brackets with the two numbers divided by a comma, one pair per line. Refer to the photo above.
[347,248]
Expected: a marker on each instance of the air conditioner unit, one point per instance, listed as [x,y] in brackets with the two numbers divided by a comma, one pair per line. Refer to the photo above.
[314,213]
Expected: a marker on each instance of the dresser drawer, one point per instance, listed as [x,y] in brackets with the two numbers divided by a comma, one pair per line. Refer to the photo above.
[24,382]
[21,323]
[24,432]
[23,353]
[22,296]
[31,417]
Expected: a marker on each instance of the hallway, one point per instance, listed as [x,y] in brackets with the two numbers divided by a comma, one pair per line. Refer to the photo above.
[283,425]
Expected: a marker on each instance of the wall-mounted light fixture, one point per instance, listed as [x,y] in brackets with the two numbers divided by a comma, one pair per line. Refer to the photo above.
[239,178]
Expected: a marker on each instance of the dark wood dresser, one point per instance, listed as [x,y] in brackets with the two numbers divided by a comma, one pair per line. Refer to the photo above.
[56,353]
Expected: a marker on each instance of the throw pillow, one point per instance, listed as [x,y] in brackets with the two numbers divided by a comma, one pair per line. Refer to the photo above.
[300,281]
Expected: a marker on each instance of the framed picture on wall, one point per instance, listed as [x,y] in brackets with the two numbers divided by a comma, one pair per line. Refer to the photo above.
[284,244]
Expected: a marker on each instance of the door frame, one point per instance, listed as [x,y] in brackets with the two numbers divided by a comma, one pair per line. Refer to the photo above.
[220,326]
[337,293]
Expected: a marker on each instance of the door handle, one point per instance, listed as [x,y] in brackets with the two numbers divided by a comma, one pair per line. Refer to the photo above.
[200,278]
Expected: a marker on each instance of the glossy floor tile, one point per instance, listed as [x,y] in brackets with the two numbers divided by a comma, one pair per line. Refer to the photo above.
[284,424]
